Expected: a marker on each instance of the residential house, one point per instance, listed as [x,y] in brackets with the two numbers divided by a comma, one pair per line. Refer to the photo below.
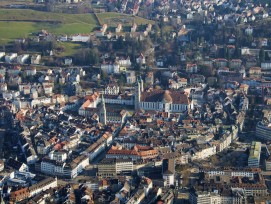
[11,57]
[110,68]
[235,63]
[118,28]
[48,89]
[149,78]
[191,68]
[31,71]
[168,172]
[35,59]
[124,62]
[266,65]
[255,72]
[68,61]
[141,59]
[133,28]
[130,77]
[112,89]
[2,78]
[101,32]
[22,59]
[196,79]
[3,87]
[220,63]
[2,55]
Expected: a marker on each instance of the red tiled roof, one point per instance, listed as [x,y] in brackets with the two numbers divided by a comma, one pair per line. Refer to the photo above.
[177,97]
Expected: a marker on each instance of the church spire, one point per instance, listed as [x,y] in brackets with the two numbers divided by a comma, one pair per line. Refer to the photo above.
[103,111]
[138,94]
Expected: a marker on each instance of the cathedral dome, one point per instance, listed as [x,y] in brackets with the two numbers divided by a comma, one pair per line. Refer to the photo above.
[166,97]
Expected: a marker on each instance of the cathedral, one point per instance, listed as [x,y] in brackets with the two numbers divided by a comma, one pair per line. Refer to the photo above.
[169,101]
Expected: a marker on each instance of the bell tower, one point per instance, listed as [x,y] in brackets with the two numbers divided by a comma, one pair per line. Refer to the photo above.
[103,118]
[138,94]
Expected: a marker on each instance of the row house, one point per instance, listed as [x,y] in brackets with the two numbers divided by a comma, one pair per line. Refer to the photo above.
[110,68]
[67,170]
[99,146]
[191,68]
[112,89]
[122,99]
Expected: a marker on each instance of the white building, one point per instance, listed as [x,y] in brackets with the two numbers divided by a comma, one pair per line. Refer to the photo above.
[9,58]
[141,59]
[2,54]
[80,38]
[63,38]
[3,87]
[55,166]
[266,65]
[254,154]
[118,28]
[124,62]
[40,101]
[8,95]
[133,28]
[102,31]
[21,59]
[42,186]
[112,89]
[206,151]
[35,59]
[31,71]
[130,77]
[124,165]
[68,61]
[168,172]
[110,68]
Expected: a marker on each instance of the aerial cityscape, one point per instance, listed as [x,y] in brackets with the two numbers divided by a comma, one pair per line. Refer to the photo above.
[135,101]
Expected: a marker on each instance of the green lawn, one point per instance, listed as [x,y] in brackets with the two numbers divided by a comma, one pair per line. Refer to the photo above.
[113,19]
[11,29]
[31,15]
[70,48]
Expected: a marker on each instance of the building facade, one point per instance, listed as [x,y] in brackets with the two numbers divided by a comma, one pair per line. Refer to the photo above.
[160,100]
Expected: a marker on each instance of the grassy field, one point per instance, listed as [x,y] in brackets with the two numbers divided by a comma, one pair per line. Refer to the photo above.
[8,2]
[21,23]
[27,14]
[70,48]
[56,23]
[113,19]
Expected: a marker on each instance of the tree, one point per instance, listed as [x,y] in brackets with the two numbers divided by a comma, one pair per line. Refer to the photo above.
[87,56]
[161,26]
[17,47]
[137,66]
[206,71]
[267,58]
[57,88]
[119,44]
[122,80]
[261,55]
[104,75]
